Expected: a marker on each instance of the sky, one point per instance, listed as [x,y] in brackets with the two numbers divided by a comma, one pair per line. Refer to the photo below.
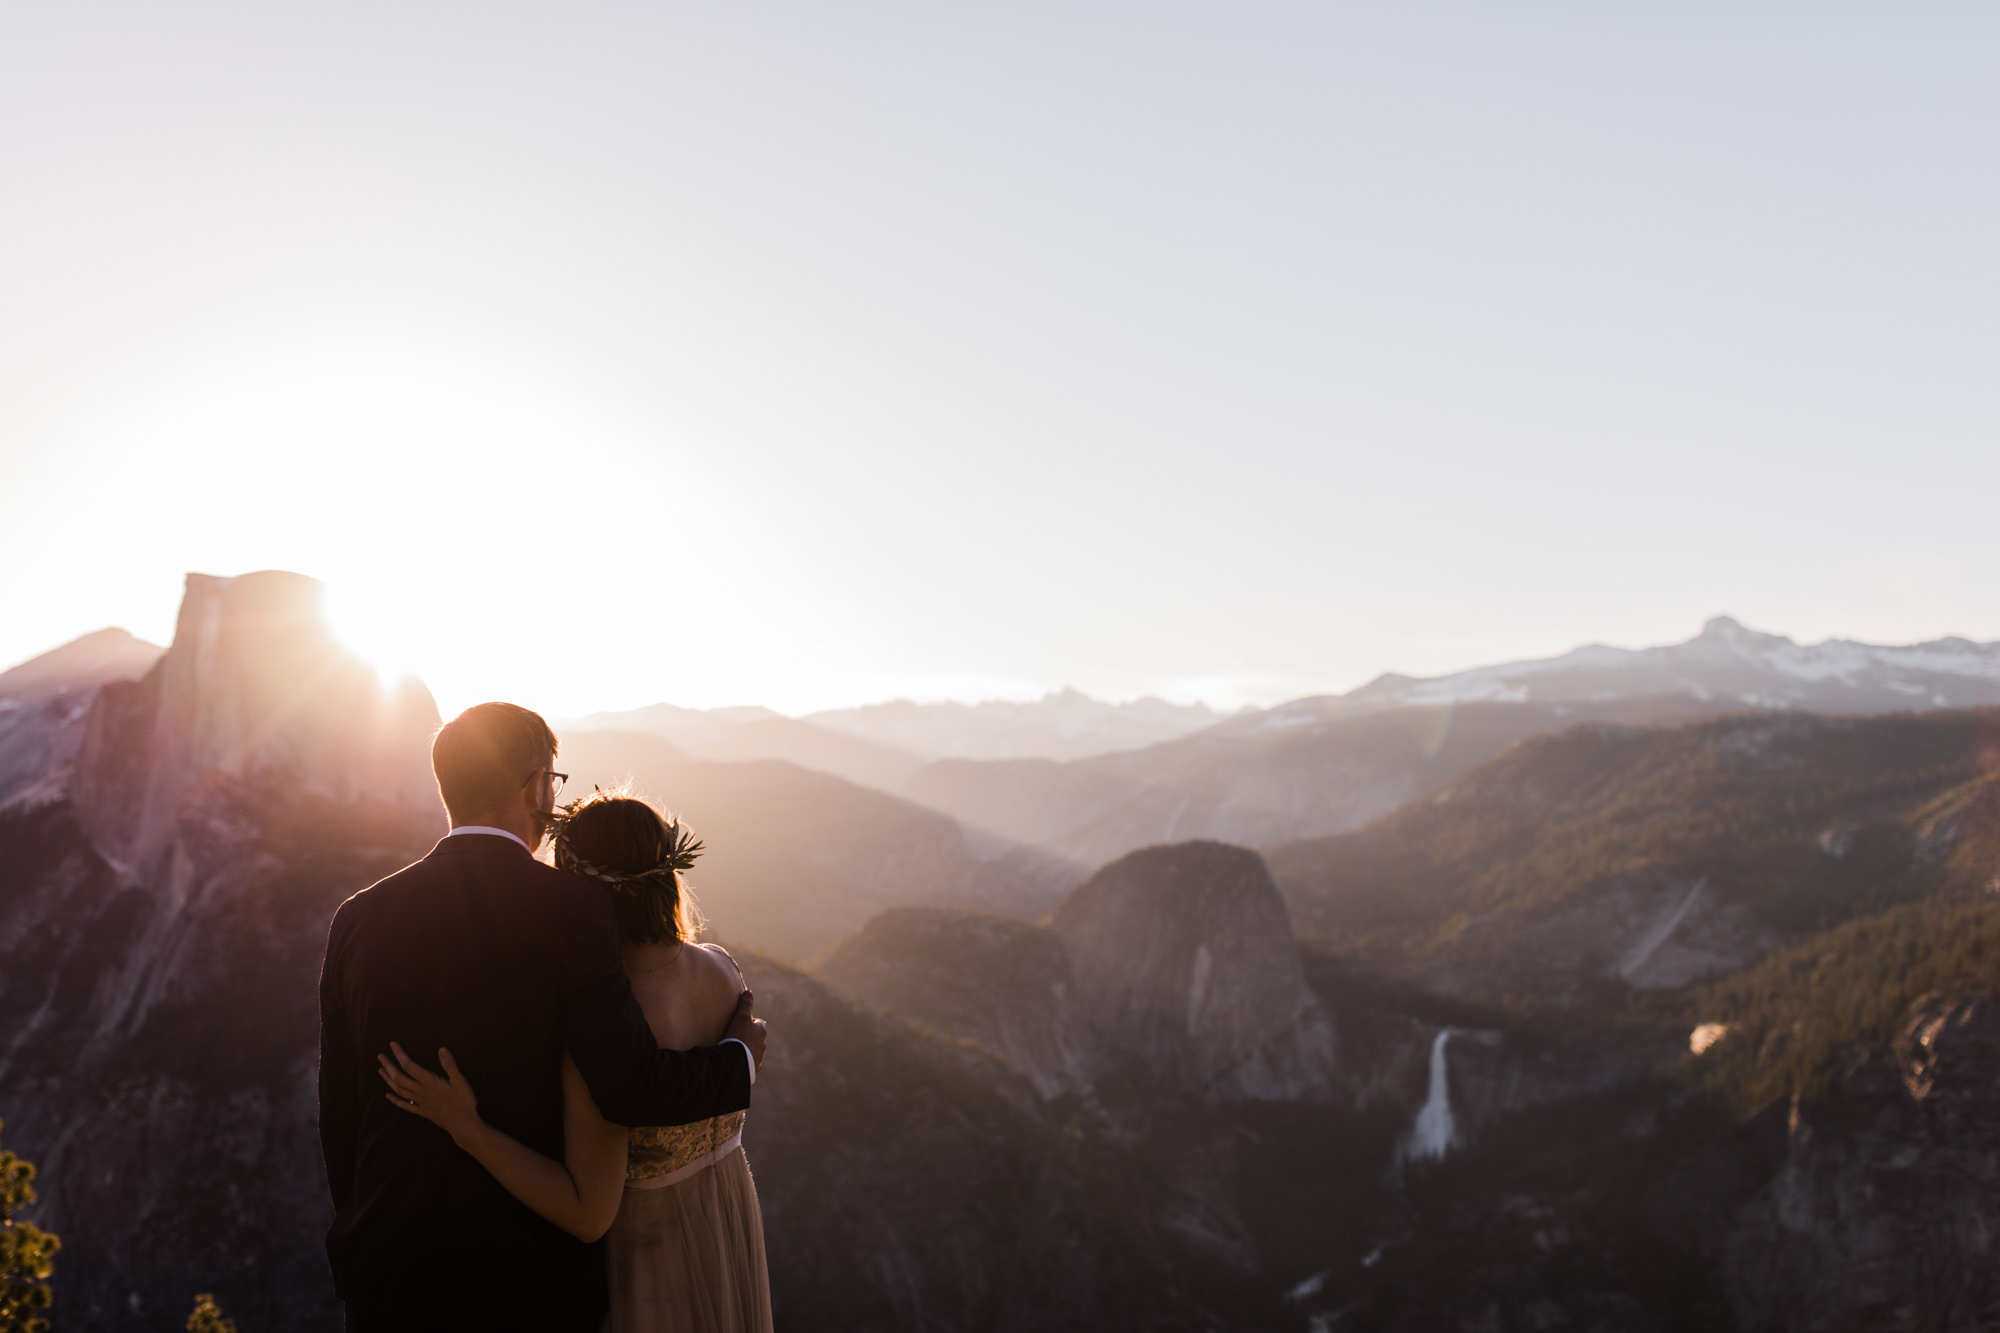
[597,354]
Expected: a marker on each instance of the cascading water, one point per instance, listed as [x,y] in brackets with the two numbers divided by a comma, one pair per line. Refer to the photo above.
[1434,1133]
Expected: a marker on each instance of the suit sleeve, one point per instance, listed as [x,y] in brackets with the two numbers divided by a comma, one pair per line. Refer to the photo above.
[631,1079]
[339,1099]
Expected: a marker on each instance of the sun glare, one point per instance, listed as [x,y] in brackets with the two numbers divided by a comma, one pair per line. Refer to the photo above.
[372,631]
[398,625]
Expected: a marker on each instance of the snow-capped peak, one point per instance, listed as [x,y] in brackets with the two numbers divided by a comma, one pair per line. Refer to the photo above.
[1727,661]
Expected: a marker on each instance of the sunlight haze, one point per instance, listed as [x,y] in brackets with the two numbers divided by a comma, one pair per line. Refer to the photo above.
[601,354]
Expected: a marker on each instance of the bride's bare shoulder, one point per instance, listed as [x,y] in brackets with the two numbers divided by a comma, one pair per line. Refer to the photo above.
[715,960]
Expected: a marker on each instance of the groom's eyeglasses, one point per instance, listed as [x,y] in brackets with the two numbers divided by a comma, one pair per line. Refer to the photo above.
[556,780]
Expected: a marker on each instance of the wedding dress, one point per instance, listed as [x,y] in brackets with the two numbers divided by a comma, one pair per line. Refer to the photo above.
[687,1249]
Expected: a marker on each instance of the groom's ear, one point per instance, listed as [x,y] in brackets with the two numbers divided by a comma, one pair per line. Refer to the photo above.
[531,791]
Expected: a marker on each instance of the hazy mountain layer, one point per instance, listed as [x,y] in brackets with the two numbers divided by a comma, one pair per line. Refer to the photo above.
[1250,787]
[1330,764]
[81,664]
[1090,781]
[796,859]
[1064,725]
[882,744]
[43,703]
[736,735]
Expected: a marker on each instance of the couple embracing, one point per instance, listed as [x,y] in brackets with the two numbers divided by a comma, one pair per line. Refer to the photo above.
[533,1081]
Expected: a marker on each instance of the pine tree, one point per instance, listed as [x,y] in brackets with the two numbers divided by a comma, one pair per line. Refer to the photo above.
[207,1317]
[27,1253]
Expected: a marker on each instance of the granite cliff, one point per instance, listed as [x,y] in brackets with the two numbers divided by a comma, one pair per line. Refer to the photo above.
[1173,968]
[1186,968]
[164,904]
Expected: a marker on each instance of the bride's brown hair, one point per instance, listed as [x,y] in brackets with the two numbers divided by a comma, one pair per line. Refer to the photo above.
[637,853]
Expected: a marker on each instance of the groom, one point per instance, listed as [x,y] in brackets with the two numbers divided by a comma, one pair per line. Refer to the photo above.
[481,948]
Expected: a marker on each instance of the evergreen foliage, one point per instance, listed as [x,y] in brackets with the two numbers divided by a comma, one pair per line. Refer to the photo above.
[1797,1013]
[1750,801]
[27,1253]
[208,1318]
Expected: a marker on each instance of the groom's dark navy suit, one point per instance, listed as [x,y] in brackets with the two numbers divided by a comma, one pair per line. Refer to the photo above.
[482,949]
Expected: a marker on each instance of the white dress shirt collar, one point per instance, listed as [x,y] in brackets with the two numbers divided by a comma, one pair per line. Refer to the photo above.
[490,831]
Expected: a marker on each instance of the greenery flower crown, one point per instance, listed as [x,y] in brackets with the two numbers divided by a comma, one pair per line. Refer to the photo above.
[682,849]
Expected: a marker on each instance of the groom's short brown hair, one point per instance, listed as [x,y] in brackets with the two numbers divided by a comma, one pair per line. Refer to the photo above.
[486,754]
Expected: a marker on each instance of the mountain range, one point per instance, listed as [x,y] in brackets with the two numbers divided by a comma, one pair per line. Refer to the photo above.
[1608,1006]
[1067,724]
[1088,781]
[797,859]
[1315,766]
[1741,667]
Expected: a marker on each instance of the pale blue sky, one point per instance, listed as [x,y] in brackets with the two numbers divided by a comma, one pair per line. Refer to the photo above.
[814,354]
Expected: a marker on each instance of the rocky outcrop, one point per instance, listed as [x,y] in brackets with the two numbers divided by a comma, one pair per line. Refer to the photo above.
[1186,968]
[1886,1211]
[1172,969]
[254,689]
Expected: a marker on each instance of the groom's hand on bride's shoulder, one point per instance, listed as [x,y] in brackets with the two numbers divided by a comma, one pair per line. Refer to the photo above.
[747,1028]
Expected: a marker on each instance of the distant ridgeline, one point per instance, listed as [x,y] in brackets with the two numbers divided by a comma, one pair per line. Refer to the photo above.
[1089,781]
[1047,1052]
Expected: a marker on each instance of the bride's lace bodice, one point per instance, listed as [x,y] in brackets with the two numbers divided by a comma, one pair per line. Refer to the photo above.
[658,1150]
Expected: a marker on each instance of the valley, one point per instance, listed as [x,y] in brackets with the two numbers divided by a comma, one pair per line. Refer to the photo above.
[1370,1012]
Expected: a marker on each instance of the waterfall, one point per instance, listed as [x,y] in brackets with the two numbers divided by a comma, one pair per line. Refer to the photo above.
[1434,1133]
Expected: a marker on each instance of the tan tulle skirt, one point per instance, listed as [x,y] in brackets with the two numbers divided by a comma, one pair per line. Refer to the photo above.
[689,1257]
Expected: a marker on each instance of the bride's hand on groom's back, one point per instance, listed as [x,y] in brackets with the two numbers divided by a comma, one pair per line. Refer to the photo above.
[747,1028]
[448,1102]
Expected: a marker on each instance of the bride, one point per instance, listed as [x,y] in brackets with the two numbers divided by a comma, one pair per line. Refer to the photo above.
[677,1207]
